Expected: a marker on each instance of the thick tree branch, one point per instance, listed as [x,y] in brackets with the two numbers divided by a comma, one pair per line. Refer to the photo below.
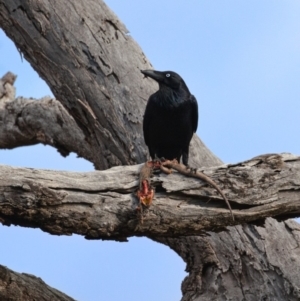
[26,287]
[81,65]
[92,66]
[29,121]
[103,204]
[246,262]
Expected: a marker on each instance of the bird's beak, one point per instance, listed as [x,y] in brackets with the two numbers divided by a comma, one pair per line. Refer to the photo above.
[156,75]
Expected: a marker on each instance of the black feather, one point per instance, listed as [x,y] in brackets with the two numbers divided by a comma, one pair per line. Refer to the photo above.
[171,117]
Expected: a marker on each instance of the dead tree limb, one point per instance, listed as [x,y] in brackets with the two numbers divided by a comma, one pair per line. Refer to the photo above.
[102,205]
[31,121]
[26,287]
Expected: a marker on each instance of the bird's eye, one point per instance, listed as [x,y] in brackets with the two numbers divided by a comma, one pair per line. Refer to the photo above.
[168,75]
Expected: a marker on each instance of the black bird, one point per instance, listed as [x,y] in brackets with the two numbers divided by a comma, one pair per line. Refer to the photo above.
[171,117]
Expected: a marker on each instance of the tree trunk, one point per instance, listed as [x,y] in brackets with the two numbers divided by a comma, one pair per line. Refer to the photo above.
[245,262]
[90,63]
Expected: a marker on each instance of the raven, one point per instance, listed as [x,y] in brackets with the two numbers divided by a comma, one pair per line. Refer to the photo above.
[171,117]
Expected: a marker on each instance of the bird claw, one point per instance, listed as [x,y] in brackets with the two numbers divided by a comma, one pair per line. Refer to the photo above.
[157,163]
[159,160]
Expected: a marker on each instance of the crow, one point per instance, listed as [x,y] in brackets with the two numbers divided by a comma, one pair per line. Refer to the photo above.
[171,117]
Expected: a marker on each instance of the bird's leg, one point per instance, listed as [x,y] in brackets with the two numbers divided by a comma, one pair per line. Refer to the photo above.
[185,156]
[155,163]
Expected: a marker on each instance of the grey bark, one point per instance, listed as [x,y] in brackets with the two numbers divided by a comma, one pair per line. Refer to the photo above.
[31,121]
[90,63]
[103,205]
[246,262]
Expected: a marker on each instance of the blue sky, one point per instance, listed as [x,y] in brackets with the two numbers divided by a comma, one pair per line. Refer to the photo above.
[241,59]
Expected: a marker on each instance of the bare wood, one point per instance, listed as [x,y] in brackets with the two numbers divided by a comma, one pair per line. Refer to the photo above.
[30,121]
[103,204]
[26,287]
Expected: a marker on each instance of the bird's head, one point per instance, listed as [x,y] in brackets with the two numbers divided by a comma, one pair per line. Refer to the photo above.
[166,78]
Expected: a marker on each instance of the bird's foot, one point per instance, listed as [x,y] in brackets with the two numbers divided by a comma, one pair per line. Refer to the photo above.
[156,164]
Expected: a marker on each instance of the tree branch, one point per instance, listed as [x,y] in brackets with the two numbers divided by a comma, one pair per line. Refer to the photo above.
[30,121]
[92,66]
[102,205]
[26,287]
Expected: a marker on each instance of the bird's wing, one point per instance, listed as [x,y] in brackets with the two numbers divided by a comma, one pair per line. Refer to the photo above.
[150,108]
[194,106]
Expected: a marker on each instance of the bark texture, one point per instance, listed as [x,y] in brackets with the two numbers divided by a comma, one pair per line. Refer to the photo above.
[92,66]
[245,262]
[26,287]
[102,204]
[31,121]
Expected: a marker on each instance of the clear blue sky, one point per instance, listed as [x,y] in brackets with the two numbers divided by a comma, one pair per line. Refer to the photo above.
[241,59]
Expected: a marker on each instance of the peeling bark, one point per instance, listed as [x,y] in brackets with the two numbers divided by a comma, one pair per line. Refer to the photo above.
[102,205]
